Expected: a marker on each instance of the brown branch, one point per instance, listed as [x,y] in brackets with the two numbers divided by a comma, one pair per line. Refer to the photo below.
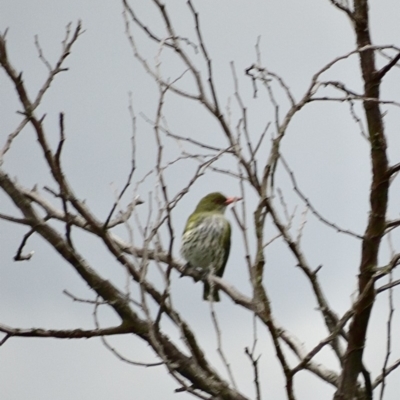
[387,269]
[261,298]
[210,104]
[243,119]
[388,286]
[254,363]
[142,26]
[338,330]
[5,338]
[17,77]
[146,329]
[63,194]
[220,349]
[30,106]
[378,205]
[378,381]
[254,360]
[385,69]
[127,360]
[344,8]
[206,56]
[131,172]
[256,72]
[389,333]
[24,257]
[330,318]
[395,168]
[22,221]
[67,333]
[204,379]
[357,119]
[326,375]
[311,207]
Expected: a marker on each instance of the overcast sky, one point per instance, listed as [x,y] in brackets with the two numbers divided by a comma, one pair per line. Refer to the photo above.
[324,147]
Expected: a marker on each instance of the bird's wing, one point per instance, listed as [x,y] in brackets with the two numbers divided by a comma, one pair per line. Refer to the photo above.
[226,243]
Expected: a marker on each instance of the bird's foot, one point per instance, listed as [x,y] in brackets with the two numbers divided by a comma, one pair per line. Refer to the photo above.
[196,273]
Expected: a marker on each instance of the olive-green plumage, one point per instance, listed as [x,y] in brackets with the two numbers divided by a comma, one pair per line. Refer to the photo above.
[206,239]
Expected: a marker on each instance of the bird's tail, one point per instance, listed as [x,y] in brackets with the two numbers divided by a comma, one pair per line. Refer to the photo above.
[210,294]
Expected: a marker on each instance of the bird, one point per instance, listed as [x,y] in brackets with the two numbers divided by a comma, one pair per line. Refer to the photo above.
[206,239]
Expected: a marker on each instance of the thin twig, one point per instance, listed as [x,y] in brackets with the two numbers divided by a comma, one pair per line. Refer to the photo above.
[311,207]
[219,343]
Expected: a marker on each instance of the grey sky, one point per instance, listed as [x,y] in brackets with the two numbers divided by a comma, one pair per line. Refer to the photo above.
[323,146]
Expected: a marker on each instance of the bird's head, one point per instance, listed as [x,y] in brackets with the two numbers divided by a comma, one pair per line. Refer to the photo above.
[216,202]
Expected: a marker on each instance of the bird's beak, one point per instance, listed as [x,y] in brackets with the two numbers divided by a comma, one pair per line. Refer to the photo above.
[231,200]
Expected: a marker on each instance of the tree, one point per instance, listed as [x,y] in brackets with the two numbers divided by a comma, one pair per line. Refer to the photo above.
[139,230]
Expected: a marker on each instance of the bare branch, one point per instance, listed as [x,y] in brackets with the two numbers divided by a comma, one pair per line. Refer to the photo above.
[22,221]
[145,302]
[389,326]
[375,229]
[394,169]
[385,69]
[378,381]
[206,56]
[254,360]
[65,334]
[344,6]
[131,172]
[388,286]
[330,318]
[219,344]
[311,207]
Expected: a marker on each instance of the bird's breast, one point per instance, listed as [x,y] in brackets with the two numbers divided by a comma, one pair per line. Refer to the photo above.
[202,243]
